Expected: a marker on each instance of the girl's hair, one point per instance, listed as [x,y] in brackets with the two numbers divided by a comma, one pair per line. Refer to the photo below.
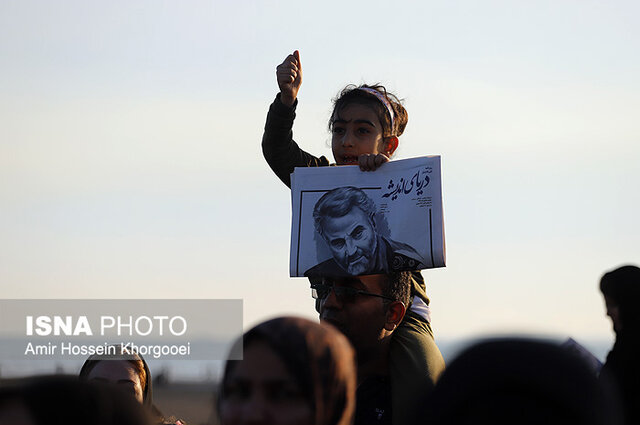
[352,94]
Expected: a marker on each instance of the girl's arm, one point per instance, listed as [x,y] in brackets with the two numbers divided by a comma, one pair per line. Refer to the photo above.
[280,150]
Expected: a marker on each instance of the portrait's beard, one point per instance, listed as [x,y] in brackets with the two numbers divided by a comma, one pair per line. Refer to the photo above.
[361,263]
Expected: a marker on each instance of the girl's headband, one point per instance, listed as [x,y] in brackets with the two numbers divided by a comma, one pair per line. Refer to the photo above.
[383,99]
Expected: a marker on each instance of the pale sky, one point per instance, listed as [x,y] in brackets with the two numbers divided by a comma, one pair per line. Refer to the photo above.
[130,160]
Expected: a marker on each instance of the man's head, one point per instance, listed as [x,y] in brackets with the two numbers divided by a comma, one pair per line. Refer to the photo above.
[621,290]
[344,217]
[366,309]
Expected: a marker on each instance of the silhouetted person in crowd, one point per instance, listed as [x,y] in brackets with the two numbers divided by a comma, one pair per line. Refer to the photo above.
[621,290]
[13,408]
[64,400]
[293,371]
[519,382]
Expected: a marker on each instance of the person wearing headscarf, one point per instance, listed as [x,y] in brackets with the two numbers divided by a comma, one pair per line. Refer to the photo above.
[621,290]
[129,371]
[293,371]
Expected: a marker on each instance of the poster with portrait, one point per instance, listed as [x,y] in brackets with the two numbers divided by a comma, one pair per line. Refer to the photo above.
[347,222]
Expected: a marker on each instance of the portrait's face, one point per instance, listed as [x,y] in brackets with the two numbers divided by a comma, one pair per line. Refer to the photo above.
[119,372]
[352,240]
[356,130]
[260,390]
[361,319]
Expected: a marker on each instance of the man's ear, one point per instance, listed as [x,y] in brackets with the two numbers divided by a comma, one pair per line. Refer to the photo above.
[390,145]
[395,314]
